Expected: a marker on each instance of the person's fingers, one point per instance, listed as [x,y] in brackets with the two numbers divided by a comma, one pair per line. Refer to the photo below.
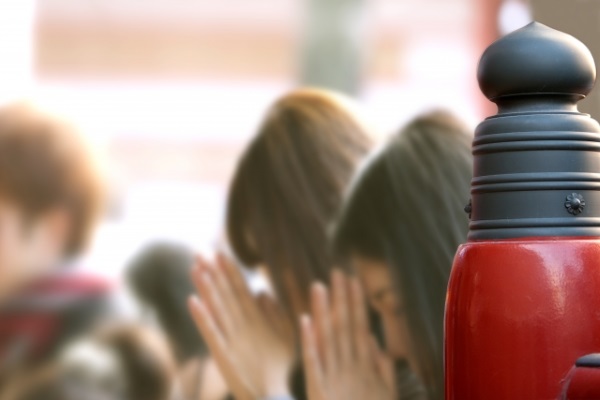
[229,299]
[217,344]
[213,302]
[312,367]
[277,318]
[202,266]
[197,270]
[385,367]
[341,316]
[202,263]
[238,285]
[209,330]
[323,326]
[360,322]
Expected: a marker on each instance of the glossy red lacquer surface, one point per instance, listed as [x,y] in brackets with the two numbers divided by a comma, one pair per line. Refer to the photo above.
[518,315]
[583,384]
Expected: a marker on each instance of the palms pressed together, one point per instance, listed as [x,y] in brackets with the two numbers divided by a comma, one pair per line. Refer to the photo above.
[250,338]
[341,358]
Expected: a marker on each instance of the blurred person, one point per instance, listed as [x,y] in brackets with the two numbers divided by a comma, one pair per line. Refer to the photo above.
[286,190]
[160,277]
[38,383]
[288,186]
[51,195]
[117,362]
[399,230]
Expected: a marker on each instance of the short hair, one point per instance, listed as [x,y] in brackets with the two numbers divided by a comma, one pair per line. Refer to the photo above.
[45,163]
[147,364]
[289,184]
[38,383]
[405,208]
[146,358]
[160,277]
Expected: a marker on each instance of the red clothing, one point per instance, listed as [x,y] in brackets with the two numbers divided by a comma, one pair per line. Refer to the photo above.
[37,322]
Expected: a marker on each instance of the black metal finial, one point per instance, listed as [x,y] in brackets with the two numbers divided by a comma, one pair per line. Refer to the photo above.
[536,59]
[539,147]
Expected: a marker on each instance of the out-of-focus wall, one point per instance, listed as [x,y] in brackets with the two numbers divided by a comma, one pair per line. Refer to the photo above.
[161,39]
[16,48]
[174,90]
[580,18]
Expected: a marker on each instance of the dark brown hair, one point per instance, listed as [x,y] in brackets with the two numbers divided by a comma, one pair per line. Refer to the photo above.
[160,277]
[45,164]
[406,209]
[288,186]
[146,359]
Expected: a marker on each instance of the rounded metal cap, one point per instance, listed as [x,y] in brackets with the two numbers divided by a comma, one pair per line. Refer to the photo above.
[536,59]
[536,162]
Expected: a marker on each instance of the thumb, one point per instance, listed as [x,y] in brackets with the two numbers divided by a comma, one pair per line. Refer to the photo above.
[276,316]
[385,367]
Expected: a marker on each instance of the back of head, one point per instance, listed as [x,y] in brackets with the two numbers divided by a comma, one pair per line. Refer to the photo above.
[288,186]
[160,277]
[117,362]
[145,359]
[46,164]
[47,382]
[406,209]
[34,384]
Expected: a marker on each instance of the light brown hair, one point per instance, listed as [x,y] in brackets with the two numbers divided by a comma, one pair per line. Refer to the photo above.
[288,186]
[46,164]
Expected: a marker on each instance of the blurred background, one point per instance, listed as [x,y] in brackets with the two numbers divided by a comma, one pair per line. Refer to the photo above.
[171,91]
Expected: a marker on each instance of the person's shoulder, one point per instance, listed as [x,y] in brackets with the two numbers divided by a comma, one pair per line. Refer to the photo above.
[65,290]
[73,283]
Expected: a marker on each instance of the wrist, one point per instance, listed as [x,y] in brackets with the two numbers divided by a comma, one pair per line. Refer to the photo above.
[278,397]
[277,392]
[276,385]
